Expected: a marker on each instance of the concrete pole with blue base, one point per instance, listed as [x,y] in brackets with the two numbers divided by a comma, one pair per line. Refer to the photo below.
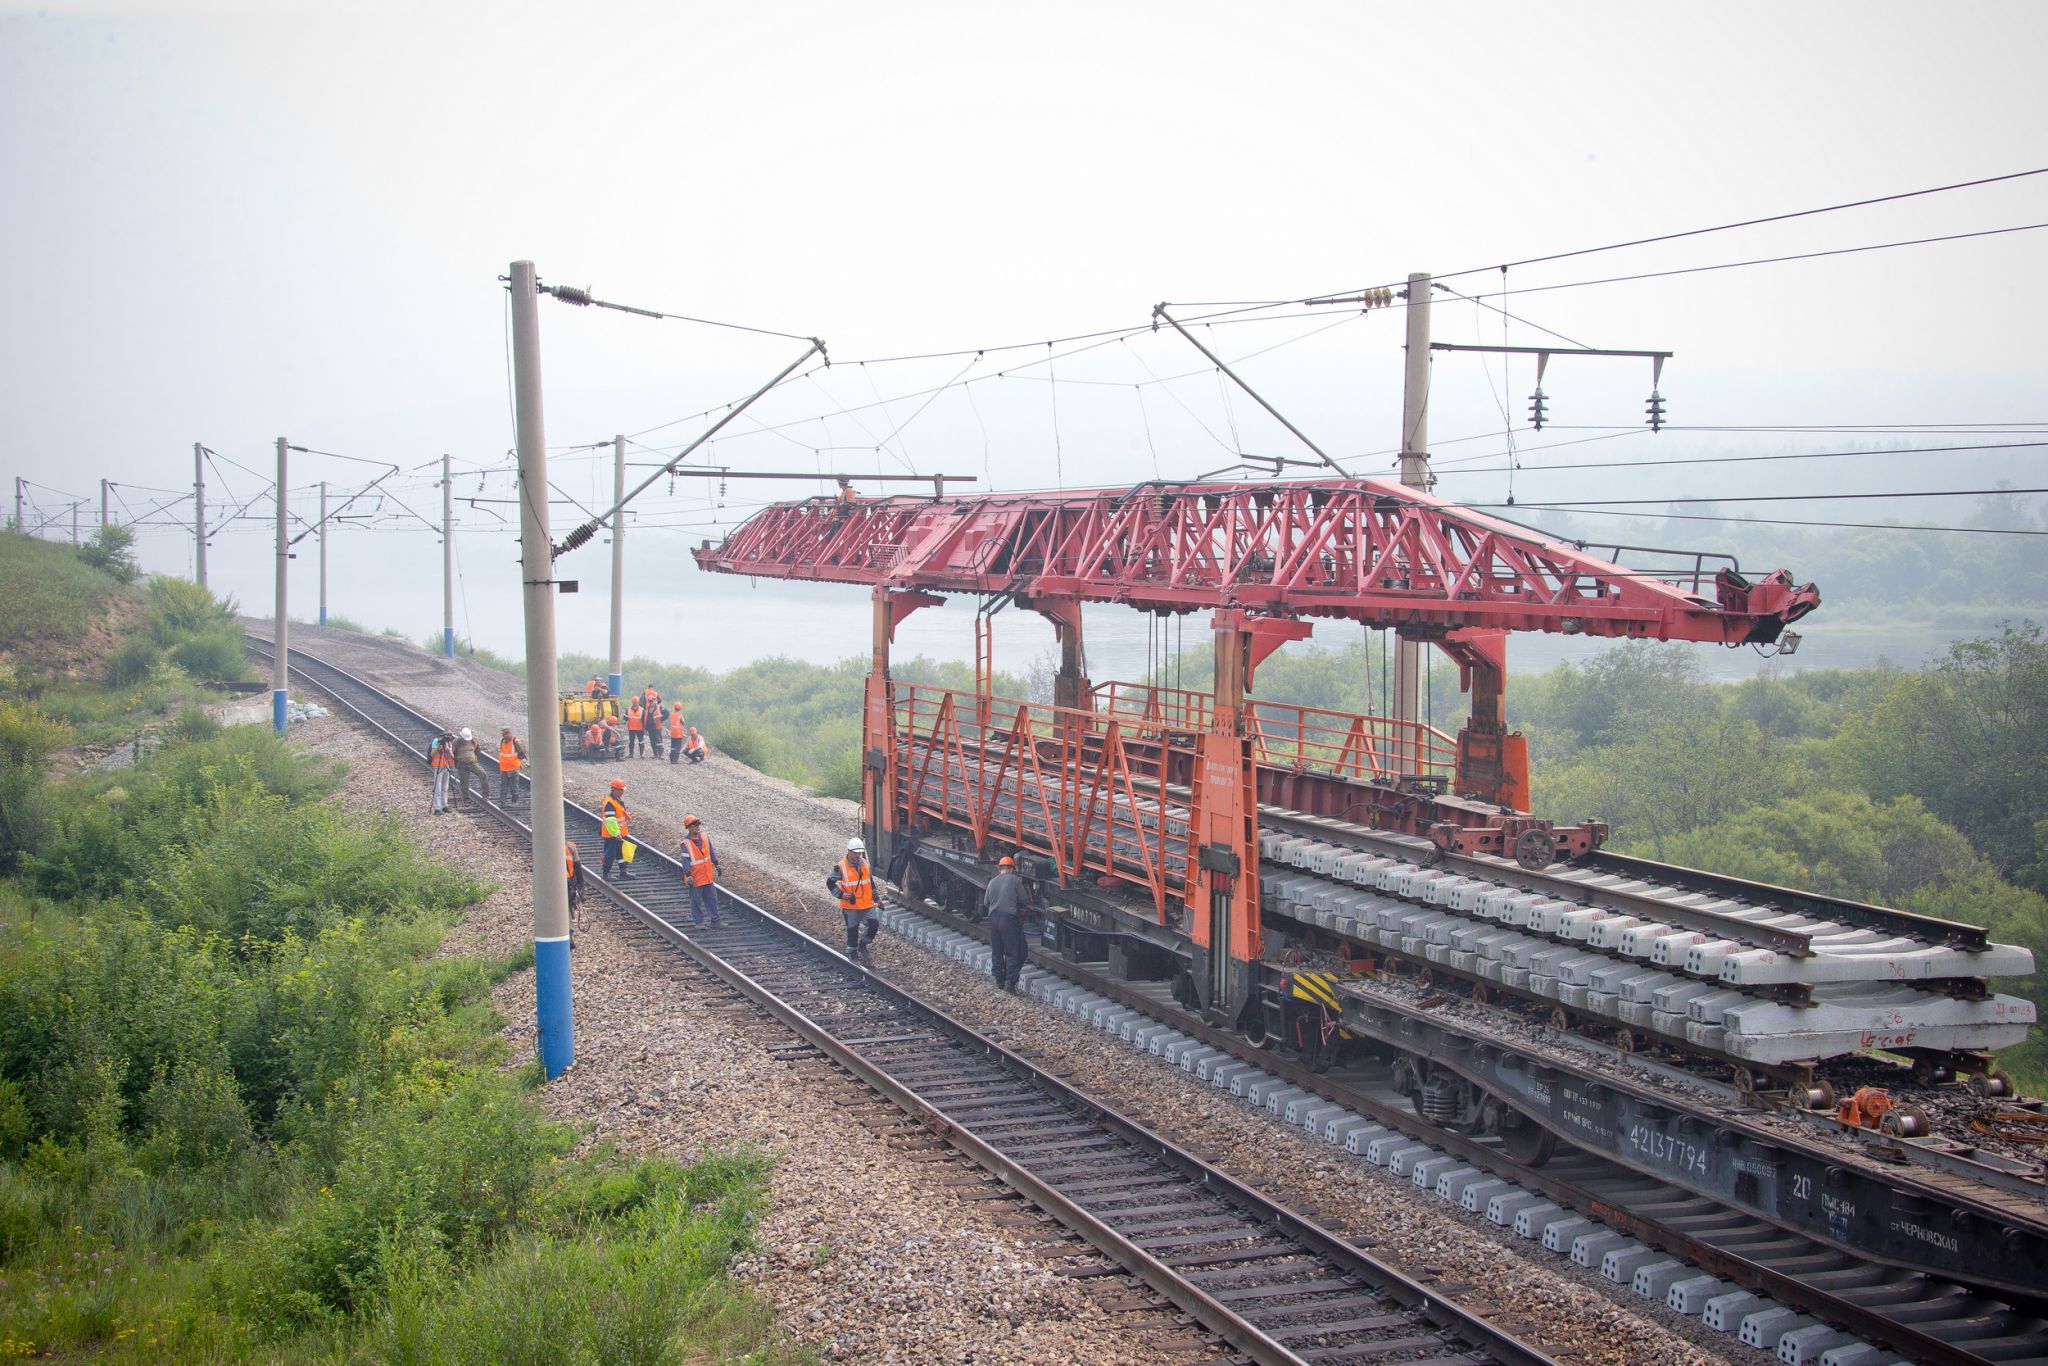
[281,633]
[552,1002]
[618,677]
[447,562]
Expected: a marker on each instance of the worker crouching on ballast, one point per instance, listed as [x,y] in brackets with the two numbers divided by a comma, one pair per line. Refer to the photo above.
[1005,901]
[853,882]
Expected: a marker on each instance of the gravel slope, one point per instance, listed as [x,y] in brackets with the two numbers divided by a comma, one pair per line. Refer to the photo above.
[776,843]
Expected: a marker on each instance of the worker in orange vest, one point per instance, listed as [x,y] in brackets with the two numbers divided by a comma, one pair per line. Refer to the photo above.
[595,687]
[676,730]
[694,747]
[617,829]
[593,741]
[636,723]
[853,882]
[700,869]
[511,754]
[844,500]
[441,758]
[613,745]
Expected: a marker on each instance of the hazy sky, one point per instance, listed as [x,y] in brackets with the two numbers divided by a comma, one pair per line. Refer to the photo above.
[230,223]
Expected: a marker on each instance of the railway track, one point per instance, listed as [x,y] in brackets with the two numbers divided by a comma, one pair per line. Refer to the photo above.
[1271,1284]
[1659,1239]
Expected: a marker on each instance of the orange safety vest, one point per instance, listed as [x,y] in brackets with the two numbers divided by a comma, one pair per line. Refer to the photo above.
[442,757]
[633,717]
[613,805]
[508,756]
[675,724]
[570,851]
[592,687]
[696,740]
[701,871]
[856,888]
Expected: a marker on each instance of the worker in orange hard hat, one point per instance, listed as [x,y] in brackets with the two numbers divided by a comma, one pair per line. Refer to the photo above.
[617,828]
[677,729]
[1005,901]
[700,870]
[693,747]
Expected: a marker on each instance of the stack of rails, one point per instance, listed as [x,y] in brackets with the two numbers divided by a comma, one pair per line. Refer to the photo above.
[1734,981]
[1746,981]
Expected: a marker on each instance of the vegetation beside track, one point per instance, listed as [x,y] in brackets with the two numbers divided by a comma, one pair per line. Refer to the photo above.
[246,1114]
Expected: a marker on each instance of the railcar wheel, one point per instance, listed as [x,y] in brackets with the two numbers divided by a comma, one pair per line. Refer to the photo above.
[1535,850]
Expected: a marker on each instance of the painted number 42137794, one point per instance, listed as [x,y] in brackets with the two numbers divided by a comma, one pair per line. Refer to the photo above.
[1663,1148]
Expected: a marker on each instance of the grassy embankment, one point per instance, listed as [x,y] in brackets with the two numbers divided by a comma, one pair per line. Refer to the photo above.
[245,1113]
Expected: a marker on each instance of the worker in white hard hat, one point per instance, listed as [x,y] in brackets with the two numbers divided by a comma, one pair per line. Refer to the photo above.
[468,761]
[852,880]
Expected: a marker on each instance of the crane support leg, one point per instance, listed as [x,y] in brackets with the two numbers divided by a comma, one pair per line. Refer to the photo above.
[878,725]
[1070,686]
[1493,764]
[1222,880]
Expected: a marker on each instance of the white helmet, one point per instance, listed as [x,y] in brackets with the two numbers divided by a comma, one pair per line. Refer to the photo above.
[466,735]
[854,846]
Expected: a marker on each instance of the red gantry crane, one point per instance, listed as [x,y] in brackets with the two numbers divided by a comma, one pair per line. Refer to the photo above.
[1161,789]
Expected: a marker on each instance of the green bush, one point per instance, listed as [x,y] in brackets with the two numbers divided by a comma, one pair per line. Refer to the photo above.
[212,653]
[27,738]
[452,1171]
[132,662]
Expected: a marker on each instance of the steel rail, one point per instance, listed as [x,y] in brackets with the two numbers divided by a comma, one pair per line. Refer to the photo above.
[1206,1309]
[1790,1288]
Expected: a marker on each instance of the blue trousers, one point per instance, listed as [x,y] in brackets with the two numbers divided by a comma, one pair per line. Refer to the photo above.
[703,902]
[1006,947]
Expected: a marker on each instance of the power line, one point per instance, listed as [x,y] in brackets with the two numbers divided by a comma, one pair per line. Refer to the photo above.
[1760,498]
[1779,260]
[1247,304]
[1773,521]
[1736,459]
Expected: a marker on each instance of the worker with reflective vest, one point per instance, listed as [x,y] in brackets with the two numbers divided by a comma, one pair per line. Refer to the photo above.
[613,745]
[700,869]
[676,731]
[575,888]
[595,687]
[593,741]
[441,758]
[694,747]
[617,829]
[853,882]
[636,722]
[511,754]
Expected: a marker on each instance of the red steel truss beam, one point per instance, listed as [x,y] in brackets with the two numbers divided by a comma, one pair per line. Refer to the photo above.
[1359,549]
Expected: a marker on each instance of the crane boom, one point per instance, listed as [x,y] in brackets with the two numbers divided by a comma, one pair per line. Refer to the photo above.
[1364,550]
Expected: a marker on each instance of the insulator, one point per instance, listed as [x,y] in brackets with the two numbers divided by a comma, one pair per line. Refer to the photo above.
[1539,408]
[1655,408]
[569,294]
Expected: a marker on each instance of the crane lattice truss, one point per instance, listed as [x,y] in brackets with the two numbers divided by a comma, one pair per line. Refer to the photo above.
[1360,549]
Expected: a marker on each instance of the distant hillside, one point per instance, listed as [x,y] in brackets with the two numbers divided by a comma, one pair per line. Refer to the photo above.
[59,617]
